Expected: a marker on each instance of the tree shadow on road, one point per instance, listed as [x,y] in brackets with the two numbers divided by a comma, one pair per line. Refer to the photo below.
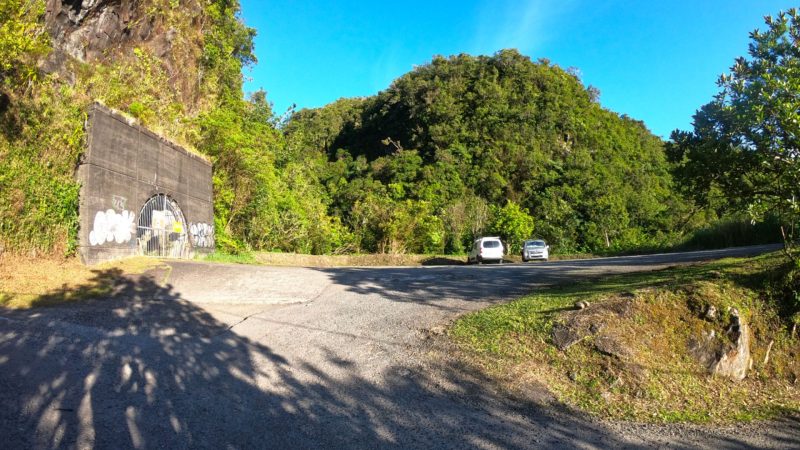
[443,261]
[141,367]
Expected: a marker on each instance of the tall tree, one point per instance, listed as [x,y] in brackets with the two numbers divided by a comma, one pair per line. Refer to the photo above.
[746,141]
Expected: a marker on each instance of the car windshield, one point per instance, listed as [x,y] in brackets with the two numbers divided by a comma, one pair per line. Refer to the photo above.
[534,244]
[491,244]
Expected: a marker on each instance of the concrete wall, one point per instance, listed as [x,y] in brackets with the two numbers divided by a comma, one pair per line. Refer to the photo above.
[124,166]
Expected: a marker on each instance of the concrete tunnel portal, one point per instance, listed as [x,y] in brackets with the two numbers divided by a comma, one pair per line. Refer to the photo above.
[141,194]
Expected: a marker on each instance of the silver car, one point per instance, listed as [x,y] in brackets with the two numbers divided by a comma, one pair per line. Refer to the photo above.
[535,249]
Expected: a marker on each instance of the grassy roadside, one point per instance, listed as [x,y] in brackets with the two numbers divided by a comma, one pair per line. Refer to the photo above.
[648,374]
[25,283]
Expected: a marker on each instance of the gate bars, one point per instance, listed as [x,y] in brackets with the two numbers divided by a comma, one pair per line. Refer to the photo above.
[161,229]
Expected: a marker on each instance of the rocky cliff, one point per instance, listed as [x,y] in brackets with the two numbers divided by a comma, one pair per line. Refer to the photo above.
[108,31]
[87,29]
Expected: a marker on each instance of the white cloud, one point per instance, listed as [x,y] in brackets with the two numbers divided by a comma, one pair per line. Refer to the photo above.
[522,24]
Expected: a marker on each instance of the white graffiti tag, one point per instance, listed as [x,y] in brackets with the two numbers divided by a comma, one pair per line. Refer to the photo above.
[202,234]
[109,226]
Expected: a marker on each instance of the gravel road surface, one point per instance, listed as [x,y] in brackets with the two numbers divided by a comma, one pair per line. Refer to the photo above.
[228,356]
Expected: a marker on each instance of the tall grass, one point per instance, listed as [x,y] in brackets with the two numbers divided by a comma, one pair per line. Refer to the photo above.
[734,232]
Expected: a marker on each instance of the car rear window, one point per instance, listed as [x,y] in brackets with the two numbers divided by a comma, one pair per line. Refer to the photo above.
[491,244]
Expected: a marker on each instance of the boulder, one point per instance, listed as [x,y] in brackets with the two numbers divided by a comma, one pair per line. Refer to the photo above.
[735,359]
[726,355]
[564,336]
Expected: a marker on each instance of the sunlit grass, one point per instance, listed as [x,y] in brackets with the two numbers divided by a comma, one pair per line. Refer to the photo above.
[25,282]
[660,382]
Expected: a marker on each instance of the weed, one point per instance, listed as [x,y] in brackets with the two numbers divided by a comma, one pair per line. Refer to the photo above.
[223,257]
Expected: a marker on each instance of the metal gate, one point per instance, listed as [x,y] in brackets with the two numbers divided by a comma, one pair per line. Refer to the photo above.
[162,229]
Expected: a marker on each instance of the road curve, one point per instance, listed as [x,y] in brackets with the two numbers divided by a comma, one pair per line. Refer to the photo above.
[232,283]
[223,356]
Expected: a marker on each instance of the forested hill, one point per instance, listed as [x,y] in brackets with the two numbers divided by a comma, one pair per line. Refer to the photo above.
[469,145]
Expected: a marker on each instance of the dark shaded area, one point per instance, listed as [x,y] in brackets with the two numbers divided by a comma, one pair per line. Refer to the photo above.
[10,125]
[144,368]
[5,103]
[443,261]
[74,5]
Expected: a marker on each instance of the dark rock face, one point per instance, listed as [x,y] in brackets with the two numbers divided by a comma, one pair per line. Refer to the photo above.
[85,29]
[564,336]
[97,30]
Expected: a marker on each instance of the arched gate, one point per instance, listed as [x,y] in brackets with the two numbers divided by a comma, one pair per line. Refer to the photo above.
[162,229]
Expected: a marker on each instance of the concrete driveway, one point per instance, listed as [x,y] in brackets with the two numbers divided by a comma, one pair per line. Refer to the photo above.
[227,356]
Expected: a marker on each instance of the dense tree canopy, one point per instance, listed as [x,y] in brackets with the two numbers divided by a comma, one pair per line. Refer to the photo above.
[429,163]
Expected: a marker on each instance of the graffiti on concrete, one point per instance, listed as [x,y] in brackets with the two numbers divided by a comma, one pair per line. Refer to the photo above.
[110,226]
[118,201]
[202,234]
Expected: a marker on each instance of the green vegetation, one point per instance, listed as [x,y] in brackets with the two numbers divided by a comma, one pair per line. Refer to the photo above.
[655,378]
[744,149]
[21,39]
[465,146]
[745,145]
[192,95]
[459,147]
[230,258]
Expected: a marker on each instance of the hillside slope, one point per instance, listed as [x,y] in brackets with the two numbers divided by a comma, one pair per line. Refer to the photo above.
[431,161]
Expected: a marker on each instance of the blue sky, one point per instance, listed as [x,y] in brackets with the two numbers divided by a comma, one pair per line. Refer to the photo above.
[655,61]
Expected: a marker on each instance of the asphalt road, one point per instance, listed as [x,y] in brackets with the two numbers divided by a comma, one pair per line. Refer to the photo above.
[227,356]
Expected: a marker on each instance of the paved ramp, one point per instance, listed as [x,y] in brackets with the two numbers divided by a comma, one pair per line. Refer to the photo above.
[244,284]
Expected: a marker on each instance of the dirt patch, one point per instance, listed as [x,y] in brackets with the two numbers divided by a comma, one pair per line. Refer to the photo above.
[575,326]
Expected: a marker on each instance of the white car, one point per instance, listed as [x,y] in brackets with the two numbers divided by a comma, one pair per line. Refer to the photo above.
[535,249]
[486,249]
